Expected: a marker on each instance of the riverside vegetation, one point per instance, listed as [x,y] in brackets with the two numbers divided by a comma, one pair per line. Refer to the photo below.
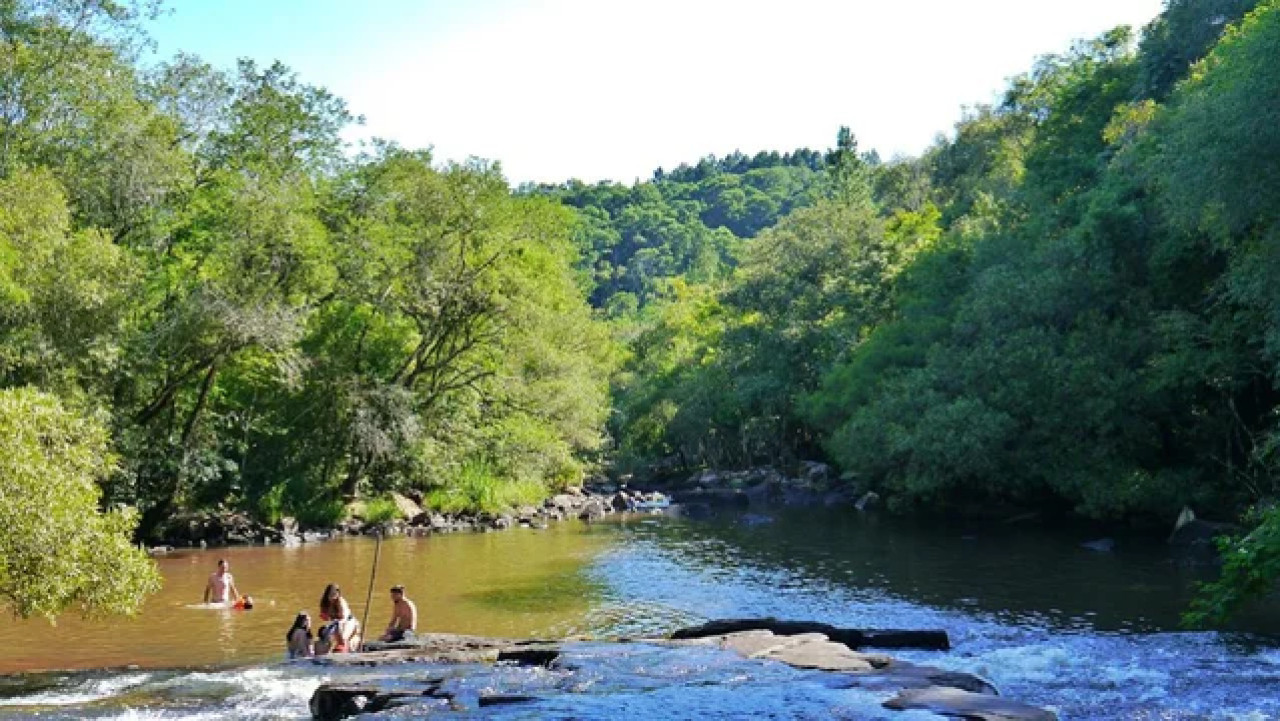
[1070,304]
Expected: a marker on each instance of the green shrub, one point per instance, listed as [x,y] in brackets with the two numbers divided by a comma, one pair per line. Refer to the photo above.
[380,510]
[478,488]
[321,513]
[53,538]
[271,505]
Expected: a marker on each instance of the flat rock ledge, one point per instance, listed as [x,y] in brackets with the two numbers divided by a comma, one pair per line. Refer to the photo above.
[448,648]
[798,644]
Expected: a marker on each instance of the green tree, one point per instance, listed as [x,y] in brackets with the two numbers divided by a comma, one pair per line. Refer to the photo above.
[58,552]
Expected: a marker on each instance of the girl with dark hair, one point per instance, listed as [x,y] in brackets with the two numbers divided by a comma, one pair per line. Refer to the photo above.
[334,608]
[298,639]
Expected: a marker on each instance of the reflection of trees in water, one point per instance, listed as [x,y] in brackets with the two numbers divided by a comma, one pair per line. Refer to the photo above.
[1019,574]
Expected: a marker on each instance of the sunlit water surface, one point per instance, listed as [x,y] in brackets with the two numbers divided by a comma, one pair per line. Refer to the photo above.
[1086,634]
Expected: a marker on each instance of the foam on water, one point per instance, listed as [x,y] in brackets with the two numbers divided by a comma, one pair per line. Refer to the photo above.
[81,693]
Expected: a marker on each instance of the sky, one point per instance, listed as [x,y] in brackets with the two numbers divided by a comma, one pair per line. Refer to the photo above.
[612,89]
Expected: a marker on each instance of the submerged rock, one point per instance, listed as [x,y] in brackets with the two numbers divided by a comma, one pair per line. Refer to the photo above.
[1102,545]
[967,705]
[869,501]
[500,699]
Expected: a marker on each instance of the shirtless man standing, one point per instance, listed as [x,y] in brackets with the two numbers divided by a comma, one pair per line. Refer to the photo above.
[221,587]
[404,616]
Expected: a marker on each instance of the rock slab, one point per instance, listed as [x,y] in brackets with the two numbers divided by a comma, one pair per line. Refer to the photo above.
[931,640]
[966,705]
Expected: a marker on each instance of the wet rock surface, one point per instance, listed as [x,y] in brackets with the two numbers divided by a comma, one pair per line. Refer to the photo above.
[958,703]
[449,648]
[934,640]
[909,686]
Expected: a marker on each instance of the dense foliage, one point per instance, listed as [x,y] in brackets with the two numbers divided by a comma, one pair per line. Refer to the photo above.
[267,320]
[689,223]
[57,551]
[1071,304]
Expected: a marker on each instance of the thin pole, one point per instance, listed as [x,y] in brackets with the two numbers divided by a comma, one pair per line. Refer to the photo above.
[368,599]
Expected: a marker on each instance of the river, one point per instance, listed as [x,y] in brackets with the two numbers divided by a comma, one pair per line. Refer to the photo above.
[1087,634]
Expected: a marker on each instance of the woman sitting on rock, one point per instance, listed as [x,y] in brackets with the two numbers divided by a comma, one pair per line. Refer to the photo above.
[298,638]
[333,607]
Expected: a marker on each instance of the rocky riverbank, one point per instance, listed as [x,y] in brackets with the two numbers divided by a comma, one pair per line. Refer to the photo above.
[810,484]
[802,645]
[232,528]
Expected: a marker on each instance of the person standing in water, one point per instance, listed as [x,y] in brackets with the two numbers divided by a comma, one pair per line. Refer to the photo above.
[221,587]
[404,616]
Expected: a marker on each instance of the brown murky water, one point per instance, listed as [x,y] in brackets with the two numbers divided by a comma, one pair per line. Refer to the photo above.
[483,583]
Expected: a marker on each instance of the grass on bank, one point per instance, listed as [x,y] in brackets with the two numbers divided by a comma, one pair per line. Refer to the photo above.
[479,489]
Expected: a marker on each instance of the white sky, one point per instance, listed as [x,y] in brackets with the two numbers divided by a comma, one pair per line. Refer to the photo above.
[598,89]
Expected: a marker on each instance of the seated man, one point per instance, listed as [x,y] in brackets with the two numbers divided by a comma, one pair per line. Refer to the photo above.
[404,616]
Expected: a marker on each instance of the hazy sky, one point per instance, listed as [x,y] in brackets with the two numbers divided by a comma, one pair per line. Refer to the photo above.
[598,89]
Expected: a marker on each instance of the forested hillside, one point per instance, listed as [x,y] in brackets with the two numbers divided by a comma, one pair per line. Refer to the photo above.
[263,318]
[688,223]
[1072,303]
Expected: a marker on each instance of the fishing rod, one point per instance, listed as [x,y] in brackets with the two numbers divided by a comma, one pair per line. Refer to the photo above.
[368,599]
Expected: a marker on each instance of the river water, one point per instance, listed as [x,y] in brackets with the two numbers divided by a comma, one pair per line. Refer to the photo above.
[1087,634]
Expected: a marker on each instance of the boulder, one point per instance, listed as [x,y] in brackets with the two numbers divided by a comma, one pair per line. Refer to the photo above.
[816,651]
[869,501]
[565,501]
[815,473]
[1189,531]
[503,522]
[620,502]
[1102,545]
[707,479]
[896,675]
[331,702]
[592,510]
[407,506]
[695,511]
[851,637]
[214,528]
[964,704]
